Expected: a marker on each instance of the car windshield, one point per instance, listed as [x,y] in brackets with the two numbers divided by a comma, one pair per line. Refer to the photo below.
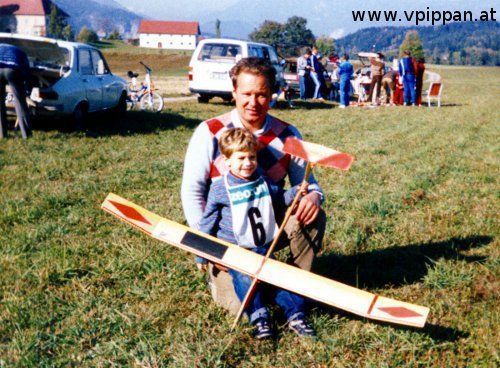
[220,52]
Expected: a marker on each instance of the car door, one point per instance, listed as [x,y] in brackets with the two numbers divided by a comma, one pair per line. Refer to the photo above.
[91,81]
[110,87]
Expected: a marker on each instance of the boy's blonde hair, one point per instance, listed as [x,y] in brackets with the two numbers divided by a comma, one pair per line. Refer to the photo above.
[237,139]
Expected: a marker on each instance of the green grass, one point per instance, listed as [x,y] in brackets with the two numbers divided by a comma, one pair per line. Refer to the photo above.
[416,219]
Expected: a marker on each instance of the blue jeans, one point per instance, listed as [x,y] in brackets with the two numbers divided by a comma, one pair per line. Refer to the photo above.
[291,304]
[303,86]
[345,91]
[317,85]
[410,96]
[15,79]
[334,92]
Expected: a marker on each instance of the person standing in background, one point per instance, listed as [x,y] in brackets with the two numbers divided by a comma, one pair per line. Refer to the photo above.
[419,79]
[378,71]
[407,72]
[316,69]
[14,71]
[345,71]
[303,70]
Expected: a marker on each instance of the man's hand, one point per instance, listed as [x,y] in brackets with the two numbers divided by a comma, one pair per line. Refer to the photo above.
[308,208]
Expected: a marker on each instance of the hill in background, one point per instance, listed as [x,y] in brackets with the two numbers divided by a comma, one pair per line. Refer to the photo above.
[465,43]
[102,16]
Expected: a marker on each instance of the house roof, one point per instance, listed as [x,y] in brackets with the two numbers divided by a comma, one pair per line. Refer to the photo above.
[169,27]
[27,7]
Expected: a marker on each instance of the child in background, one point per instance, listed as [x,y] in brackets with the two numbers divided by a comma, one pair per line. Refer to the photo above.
[133,86]
[240,210]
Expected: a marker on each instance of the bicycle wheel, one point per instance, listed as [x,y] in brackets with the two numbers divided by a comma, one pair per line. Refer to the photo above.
[152,102]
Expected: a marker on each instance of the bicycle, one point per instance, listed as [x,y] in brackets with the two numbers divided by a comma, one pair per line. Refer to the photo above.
[144,95]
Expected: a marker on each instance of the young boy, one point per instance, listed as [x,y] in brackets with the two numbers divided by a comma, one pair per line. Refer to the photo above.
[240,210]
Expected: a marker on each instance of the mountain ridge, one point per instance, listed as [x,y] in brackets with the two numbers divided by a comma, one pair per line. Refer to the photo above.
[476,43]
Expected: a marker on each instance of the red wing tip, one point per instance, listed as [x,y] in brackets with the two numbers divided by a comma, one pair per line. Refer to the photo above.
[129,212]
[400,312]
[340,160]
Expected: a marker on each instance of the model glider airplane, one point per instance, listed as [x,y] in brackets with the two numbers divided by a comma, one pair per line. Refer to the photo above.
[351,299]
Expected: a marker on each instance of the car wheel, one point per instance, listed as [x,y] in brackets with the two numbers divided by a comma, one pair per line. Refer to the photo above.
[79,116]
[122,107]
[203,98]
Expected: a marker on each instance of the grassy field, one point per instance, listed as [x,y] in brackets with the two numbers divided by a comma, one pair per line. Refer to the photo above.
[416,219]
[122,57]
[170,67]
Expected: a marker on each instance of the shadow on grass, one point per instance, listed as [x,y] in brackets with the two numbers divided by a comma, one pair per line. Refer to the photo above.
[397,265]
[435,332]
[445,105]
[442,333]
[134,122]
[305,105]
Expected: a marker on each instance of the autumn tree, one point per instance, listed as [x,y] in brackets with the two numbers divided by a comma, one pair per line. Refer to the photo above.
[296,35]
[87,36]
[115,35]
[270,32]
[325,45]
[67,33]
[288,37]
[412,43]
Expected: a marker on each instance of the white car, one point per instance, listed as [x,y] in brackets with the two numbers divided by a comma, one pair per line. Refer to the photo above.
[68,78]
[213,58]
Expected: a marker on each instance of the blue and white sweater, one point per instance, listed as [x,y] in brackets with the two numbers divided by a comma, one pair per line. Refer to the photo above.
[217,219]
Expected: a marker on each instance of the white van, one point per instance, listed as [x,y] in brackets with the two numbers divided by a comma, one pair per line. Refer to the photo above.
[213,58]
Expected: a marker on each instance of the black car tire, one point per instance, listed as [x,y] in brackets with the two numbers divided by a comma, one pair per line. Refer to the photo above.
[203,98]
[79,116]
[122,108]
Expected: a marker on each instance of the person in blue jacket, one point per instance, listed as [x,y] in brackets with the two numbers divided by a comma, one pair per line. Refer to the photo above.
[345,71]
[407,73]
[14,71]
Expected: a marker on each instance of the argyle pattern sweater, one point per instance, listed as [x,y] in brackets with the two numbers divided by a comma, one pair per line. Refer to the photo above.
[204,162]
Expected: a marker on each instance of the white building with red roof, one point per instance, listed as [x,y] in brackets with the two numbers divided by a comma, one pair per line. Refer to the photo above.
[29,17]
[169,34]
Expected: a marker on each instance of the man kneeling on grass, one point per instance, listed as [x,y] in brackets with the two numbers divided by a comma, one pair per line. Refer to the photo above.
[240,210]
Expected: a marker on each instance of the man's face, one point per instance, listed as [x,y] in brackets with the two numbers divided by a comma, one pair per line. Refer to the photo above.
[242,164]
[252,96]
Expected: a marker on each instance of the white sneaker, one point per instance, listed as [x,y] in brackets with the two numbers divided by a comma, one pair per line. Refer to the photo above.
[341,106]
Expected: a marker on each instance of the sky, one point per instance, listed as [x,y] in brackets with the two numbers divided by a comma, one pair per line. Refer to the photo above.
[325,17]
[175,9]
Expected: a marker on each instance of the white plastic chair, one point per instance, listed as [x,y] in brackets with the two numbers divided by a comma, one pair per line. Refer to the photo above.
[434,92]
